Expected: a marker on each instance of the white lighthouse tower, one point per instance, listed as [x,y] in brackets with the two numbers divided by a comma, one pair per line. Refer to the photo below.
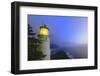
[45,41]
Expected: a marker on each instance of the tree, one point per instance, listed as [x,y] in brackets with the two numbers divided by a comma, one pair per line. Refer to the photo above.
[34,49]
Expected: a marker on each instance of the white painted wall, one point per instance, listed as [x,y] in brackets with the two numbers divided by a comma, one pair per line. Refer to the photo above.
[5,41]
[45,48]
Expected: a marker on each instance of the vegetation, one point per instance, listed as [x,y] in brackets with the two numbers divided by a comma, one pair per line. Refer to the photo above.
[34,48]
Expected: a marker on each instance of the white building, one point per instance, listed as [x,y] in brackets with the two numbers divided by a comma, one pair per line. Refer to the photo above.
[45,41]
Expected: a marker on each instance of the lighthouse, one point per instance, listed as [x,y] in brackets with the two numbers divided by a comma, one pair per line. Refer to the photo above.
[45,41]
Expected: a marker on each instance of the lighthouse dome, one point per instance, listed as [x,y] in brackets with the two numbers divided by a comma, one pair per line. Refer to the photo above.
[44,30]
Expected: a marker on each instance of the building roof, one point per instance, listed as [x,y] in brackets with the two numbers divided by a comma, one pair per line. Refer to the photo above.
[44,26]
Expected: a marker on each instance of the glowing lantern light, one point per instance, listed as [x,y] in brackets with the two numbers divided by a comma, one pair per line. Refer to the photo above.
[44,30]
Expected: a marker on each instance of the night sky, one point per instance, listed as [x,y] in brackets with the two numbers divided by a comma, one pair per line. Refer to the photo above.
[63,29]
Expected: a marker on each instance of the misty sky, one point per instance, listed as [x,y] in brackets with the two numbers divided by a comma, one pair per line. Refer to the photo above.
[63,29]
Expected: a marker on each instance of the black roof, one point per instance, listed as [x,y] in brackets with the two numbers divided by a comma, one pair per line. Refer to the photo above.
[44,26]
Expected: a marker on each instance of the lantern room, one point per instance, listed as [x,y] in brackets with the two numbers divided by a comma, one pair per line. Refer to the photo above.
[44,31]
